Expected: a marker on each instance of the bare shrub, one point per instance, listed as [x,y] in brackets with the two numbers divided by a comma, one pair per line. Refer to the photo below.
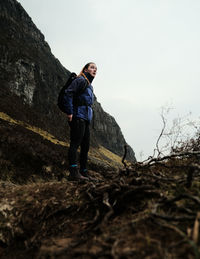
[179,135]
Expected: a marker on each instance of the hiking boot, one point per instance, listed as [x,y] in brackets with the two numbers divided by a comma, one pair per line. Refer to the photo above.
[75,175]
[84,173]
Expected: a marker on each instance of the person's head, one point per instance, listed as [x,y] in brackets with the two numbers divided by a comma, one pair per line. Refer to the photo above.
[90,68]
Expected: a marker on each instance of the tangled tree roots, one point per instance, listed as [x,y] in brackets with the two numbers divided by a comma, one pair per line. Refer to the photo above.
[153,212]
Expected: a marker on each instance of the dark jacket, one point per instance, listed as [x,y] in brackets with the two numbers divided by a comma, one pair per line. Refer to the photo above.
[79,106]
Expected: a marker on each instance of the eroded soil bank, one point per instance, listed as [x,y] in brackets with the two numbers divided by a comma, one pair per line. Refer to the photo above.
[148,211]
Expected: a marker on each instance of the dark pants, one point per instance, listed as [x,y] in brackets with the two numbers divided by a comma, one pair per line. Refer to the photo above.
[79,136]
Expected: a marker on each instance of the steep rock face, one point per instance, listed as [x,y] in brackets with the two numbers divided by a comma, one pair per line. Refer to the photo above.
[29,71]
[31,77]
[108,132]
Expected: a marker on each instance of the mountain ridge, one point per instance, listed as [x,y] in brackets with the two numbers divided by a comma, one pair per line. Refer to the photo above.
[31,72]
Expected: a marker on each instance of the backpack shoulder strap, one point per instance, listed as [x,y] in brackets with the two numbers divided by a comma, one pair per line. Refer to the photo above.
[83,88]
[82,74]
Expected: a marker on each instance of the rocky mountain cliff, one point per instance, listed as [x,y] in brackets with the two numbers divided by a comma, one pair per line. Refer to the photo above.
[149,209]
[31,77]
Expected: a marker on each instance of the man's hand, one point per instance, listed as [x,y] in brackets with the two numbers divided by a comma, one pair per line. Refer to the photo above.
[69,117]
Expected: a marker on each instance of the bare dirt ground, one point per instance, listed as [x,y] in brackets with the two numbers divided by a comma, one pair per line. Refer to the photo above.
[149,210]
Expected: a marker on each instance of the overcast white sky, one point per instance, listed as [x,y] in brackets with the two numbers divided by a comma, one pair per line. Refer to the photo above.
[147,53]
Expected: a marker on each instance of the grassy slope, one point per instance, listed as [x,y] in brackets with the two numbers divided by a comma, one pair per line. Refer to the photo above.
[29,151]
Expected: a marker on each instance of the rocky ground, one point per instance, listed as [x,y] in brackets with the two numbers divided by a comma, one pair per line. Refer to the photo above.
[146,210]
